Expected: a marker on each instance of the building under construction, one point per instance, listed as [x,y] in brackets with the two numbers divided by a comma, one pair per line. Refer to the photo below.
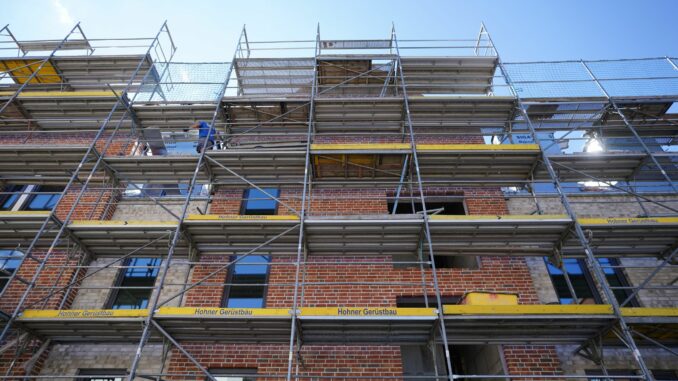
[333,209]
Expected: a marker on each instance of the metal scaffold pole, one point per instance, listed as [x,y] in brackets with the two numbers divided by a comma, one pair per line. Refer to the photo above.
[83,186]
[153,303]
[427,230]
[302,214]
[591,260]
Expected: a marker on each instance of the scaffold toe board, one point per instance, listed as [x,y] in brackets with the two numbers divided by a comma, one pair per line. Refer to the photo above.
[226,325]
[17,229]
[236,234]
[364,114]
[449,75]
[634,236]
[525,324]
[256,165]
[366,325]
[164,169]
[498,162]
[386,234]
[462,114]
[117,238]
[41,164]
[84,325]
[518,235]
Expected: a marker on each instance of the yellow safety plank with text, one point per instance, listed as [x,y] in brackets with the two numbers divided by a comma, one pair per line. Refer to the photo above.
[501,217]
[628,221]
[221,312]
[367,311]
[528,309]
[237,217]
[477,147]
[366,146]
[81,314]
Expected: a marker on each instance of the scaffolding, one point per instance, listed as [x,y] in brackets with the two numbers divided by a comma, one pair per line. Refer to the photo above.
[403,115]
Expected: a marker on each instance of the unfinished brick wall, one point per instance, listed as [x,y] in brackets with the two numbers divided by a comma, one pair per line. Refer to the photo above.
[334,361]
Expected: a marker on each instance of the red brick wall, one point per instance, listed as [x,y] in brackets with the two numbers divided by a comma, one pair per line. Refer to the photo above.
[536,360]
[334,361]
[121,144]
[51,276]
[97,203]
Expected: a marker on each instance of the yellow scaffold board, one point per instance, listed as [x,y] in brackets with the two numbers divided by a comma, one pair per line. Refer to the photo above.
[81,314]
[221,312]
[612,221]
[529,309]
[367,312]
[237,217]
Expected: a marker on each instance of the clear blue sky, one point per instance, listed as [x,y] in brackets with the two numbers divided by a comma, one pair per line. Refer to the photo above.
[522,30]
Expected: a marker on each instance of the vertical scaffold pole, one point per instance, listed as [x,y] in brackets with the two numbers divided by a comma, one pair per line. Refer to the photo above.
[152,305]
[302,214]
[591,260]
[427,230]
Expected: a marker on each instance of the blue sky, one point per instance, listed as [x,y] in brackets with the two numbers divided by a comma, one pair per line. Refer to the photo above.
[522,30]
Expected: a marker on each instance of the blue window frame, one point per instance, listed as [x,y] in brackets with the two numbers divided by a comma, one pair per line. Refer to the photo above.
[137,280]
[10,196]
[45,198]
[583,283]
[246,283]
[257,202]
[9,263]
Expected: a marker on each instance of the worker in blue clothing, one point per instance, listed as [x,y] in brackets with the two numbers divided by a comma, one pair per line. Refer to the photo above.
[205,133]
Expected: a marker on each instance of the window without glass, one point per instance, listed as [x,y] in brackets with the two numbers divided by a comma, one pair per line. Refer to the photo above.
[246,283]
[233,374]
[9,262]
[444,207]
[256,202]
[43,198]
[101,374]
[583,283]
[136,283]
